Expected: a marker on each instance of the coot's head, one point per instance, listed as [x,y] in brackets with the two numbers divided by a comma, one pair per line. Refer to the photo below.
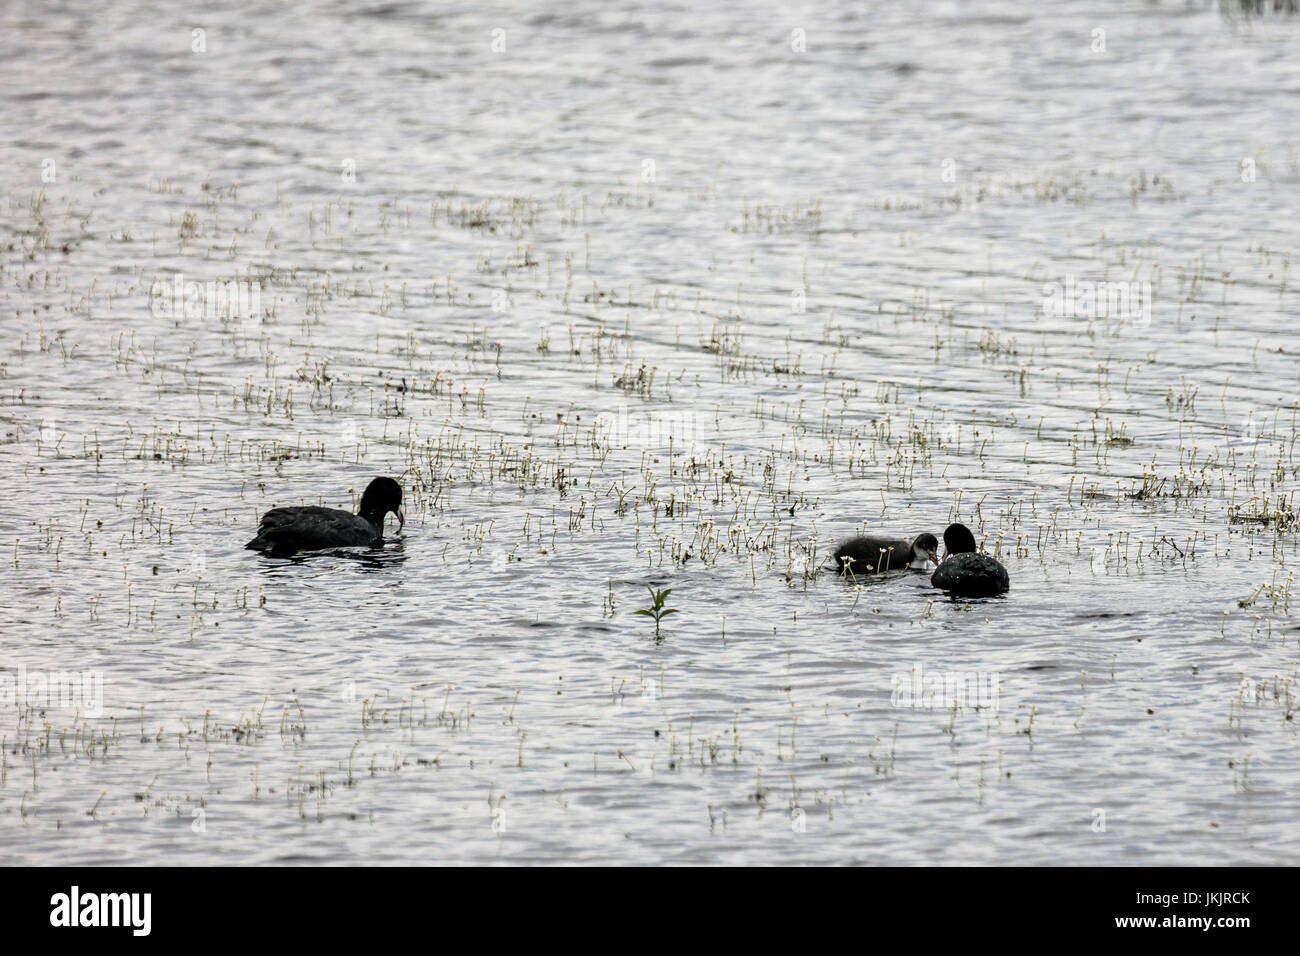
[382,496]
[924,547]
[958,539]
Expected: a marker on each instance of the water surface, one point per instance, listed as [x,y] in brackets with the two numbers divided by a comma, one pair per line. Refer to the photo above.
[661,297]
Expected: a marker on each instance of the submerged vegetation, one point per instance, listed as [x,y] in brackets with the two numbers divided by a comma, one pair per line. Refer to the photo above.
[538,406]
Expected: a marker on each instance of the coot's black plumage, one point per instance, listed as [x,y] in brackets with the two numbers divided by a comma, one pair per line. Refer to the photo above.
[964,571]
[286,531]
[871,553]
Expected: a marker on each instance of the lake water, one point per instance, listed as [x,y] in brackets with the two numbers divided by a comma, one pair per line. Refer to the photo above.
[661,297]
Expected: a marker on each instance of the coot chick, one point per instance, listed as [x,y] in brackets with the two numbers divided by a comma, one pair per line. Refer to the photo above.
[964,571]
[286,531]
[872,553]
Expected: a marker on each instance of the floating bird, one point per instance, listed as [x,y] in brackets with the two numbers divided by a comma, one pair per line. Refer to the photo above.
[966,572]
[872,553]
[286,531]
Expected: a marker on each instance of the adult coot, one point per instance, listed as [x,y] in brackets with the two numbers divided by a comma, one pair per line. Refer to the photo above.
[964,571]
[872,553]
[286,531]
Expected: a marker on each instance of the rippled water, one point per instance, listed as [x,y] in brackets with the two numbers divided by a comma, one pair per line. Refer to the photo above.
[658,296]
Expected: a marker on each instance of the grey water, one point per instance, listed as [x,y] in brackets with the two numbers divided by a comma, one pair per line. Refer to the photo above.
[639,297]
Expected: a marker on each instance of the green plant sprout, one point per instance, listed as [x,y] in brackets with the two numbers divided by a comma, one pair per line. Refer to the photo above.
[657,609]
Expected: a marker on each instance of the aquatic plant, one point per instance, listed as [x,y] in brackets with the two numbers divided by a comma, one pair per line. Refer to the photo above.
[657,610]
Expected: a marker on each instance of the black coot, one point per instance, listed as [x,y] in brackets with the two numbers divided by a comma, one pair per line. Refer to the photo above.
[964,571]
[286,531]
[872,553]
